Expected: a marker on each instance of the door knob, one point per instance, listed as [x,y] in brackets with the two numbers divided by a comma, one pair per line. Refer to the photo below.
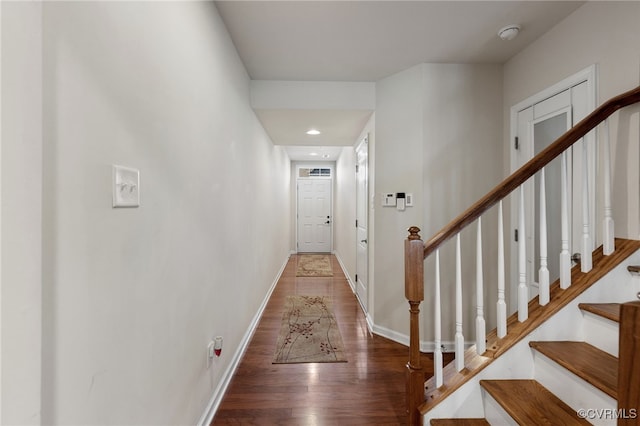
[328,222]
[363,241]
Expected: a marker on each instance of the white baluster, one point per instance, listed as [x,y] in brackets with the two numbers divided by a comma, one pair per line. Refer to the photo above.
[501,305]
[565,256]
[543,272]
[523,290]
[586,249]
[459,338]
[437,352]
[608,241]
[481,328]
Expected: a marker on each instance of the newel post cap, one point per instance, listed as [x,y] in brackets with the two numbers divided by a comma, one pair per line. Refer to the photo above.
[413,233]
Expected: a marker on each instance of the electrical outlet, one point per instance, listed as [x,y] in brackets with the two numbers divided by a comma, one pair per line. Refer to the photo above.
[210,353]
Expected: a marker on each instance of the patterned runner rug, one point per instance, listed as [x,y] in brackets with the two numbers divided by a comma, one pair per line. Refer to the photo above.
[309,332]
[314,265]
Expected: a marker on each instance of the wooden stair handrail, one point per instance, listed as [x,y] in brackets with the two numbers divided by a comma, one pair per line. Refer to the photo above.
[531,168]
[628,369]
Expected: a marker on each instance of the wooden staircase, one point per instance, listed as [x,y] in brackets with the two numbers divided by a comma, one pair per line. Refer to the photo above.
[544,363]
[544,401]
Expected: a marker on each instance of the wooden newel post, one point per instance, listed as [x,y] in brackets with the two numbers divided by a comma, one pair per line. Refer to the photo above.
[629,365]
[414,292]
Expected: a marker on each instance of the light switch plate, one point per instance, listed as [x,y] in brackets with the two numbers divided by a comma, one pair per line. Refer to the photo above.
[126,187]
[409,201]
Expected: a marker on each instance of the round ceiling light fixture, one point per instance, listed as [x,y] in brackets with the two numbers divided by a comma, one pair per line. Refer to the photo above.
[509,32]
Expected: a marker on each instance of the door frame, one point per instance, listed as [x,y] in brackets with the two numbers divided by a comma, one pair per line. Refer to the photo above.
[363,144]
[1,266]
[297,178]
[589,76]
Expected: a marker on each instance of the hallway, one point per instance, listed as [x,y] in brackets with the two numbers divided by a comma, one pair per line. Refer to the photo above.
[368,389]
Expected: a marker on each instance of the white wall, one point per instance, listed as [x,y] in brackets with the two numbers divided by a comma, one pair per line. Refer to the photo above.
[344,212]
[345,202]
[313,95]
[398,167]
[606,34]
[130,297]
[461,162]
[438,136]
[21,212]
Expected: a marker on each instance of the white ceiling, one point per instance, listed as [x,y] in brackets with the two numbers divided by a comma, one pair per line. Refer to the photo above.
[339,127]
[370,40]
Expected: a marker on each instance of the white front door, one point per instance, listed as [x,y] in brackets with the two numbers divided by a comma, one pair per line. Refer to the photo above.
[538,126]
[362,223]
[314,215]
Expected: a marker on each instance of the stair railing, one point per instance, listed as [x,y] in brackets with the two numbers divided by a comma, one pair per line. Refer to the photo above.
[416,251]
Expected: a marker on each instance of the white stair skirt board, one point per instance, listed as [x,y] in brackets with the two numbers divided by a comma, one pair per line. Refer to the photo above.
[571,389]
[494,413]
[601,333]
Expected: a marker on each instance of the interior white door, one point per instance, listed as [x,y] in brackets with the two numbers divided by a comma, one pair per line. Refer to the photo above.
[362,223]
[314,215]
[538,126]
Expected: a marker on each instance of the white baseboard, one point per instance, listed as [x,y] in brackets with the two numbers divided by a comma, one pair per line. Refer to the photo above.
[370,323]
[352,284]
[218,393]
[403,339]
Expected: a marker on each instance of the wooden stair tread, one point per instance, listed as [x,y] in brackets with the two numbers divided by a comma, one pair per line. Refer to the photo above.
[609,311]
[459,422]
[528,403]
[585,361]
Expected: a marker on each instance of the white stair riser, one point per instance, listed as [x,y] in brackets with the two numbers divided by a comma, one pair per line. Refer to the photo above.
[494,413]
[601,333]
[571,389]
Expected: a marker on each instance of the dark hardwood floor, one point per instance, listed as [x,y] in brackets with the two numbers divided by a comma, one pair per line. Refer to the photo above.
[368,389]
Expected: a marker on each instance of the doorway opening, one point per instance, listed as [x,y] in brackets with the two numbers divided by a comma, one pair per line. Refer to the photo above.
[536,123]
[314,209]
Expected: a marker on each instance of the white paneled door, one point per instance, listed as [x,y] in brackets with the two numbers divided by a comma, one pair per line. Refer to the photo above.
[314,215]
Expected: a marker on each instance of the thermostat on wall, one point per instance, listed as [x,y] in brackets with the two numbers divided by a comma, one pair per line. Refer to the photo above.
[389,199]
[400,201]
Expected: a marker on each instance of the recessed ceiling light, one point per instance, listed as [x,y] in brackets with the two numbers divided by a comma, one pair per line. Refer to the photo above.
[313,154]
[325,155]
[313,132]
